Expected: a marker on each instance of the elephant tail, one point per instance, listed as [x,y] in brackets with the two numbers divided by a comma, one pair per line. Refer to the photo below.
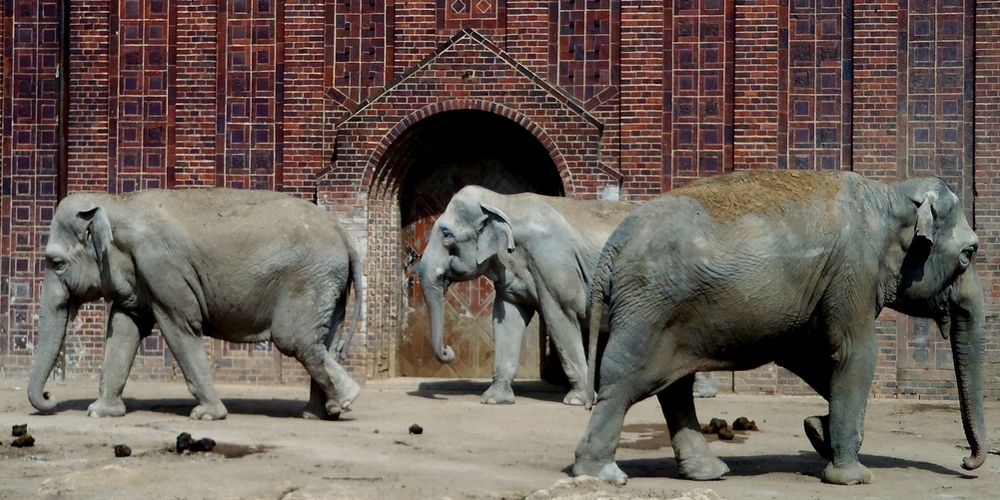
[598,297]
[355,279]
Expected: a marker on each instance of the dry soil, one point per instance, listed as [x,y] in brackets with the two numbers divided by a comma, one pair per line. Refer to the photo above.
[466,450]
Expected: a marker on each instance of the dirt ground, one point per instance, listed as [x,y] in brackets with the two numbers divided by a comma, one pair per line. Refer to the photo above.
[466,450]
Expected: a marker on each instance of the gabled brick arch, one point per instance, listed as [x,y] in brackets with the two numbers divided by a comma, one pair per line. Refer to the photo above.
[376,172]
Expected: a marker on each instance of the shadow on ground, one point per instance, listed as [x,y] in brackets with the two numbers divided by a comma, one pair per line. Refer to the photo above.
[532,389]
[276,408]
[806,463]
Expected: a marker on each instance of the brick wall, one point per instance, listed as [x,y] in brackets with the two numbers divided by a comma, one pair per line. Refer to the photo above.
[629,99]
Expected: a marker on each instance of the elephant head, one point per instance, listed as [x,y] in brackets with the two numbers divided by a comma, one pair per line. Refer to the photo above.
[937,279]
[77,270]
[462,243]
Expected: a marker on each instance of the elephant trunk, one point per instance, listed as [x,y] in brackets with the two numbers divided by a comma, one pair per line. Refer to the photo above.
[967,319]
[53,317]
[433,288]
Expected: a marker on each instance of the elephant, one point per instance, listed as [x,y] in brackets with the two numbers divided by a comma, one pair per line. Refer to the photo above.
[786,266]
[539,252]
[238,265]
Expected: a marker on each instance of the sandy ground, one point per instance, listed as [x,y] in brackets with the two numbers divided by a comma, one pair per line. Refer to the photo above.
[467,450]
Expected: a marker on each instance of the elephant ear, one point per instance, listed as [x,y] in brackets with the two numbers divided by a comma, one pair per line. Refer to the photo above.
[925,216]
[494,231]
[99,228]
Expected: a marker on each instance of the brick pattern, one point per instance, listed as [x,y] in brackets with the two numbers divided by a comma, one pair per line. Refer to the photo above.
[307,142]
[29,160]
[934,138]
[88,149]
[582,63]
[987,180]
[817,112]
[449,79]
[641,99]
[195,108]
[755,114]
[876,28]
[359,63]
[702,89]
[880,86]
[140,73]
[487,15]
[250,84]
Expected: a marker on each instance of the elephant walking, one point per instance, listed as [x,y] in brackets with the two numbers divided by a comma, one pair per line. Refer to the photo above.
[539,252]
[243,266]
[784,266]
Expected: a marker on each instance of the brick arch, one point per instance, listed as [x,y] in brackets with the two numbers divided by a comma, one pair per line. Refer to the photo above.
[378,179]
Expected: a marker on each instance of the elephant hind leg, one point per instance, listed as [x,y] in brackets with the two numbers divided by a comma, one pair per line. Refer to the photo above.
[307,338]
[621,387]
[694,459]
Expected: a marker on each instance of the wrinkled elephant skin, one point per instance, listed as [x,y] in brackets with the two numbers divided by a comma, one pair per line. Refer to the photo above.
[785,266]
[539,252]
[243,266]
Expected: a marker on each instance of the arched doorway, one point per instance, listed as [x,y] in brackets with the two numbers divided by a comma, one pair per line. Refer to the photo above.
[436,157]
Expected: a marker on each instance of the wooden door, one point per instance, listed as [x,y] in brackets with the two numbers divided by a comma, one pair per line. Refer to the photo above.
[468,324]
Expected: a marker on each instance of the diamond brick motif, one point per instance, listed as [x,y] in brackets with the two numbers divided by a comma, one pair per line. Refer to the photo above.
[458,6]
[484,6]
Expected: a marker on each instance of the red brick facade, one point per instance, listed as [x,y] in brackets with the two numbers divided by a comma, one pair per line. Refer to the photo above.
[332,101]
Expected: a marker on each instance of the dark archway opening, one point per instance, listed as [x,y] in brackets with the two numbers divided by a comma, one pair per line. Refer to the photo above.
[435,158]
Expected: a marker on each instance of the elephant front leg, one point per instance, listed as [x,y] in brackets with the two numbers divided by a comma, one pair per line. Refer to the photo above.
[189,351]
[122,342]
[849,389]
[509,322]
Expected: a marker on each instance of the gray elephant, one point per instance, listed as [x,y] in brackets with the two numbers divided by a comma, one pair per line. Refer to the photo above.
[539,252]
[243,266]
[783,266]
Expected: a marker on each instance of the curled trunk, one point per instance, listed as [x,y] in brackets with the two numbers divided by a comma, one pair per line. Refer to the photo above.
[967,318]
[52,319]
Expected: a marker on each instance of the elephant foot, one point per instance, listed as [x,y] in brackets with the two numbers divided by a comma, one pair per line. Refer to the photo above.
[608,472]
[348,391]
[854,473]
[576,397]
[314,411]
[498,394]
[102,408]
[214,411]
[818,431]
[704,468]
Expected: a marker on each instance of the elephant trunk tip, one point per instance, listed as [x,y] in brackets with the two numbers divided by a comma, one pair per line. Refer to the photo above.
[973,462]
[44,403]
[445,355]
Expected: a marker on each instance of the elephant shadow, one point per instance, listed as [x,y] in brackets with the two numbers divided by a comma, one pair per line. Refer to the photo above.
[530,389]
[275,408]
[805,462]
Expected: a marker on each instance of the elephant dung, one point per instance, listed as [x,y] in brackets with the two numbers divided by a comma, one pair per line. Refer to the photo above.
[184,442]
[19,430]
[203,444]
[122,450]
[726,434]
[744,424]
[416,429]
[714,426]
[23,441]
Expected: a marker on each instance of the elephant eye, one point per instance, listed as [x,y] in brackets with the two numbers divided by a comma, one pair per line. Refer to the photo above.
[447,237]
[58,265]
[967,254]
